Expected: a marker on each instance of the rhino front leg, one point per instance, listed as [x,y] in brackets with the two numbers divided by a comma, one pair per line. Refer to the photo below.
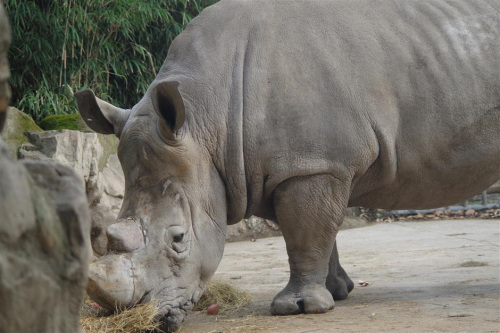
[309,211]
[338,282]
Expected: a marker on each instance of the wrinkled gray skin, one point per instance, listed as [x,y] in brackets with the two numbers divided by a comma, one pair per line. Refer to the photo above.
[4,65]
[294,111]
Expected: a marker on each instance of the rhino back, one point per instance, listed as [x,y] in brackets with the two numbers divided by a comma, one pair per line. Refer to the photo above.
[400,97]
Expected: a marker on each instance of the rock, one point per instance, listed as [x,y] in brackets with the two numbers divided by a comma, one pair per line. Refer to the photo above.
[44,246]
[80,151]
[17,125]
[252,228]
[470,213]
[94,159]
[106,202]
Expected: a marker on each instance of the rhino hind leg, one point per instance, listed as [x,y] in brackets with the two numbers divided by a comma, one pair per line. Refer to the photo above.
[338,282]
[309,211]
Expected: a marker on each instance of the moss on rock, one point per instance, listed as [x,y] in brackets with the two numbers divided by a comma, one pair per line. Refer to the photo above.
[66,121]
[17,125]
[75,122]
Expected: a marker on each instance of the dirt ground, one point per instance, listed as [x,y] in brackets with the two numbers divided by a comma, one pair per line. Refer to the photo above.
[440,276]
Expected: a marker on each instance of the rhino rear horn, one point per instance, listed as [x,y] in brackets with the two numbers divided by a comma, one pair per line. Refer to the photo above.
[125,236]
[99,115]
[168,104]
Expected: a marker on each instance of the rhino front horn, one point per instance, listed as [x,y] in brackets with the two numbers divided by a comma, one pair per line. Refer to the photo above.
[111,283]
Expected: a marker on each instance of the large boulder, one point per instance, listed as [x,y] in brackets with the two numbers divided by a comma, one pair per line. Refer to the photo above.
[44,231]
[44,246]
[94,159]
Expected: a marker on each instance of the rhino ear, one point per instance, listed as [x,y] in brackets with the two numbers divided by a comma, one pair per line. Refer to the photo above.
[99,115]
[168,104]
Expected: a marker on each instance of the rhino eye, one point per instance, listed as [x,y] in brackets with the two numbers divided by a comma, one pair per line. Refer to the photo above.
[178,238]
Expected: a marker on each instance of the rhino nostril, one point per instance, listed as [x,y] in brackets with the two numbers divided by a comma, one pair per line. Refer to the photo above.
[145,298]
[95,232]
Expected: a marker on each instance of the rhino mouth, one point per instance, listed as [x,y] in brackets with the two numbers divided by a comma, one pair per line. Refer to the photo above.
[172,313]
[171,319]
[113,285]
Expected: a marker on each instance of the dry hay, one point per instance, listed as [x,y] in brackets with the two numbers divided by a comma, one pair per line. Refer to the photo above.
[226,296]
[140,318]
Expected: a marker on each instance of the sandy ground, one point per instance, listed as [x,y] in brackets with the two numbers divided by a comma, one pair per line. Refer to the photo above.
[417,282]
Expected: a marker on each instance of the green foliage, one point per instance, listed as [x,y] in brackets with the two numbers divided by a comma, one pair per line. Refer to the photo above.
[64,121]
[114,47]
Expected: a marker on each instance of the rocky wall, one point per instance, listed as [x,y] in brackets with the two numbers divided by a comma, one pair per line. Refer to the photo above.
[44,246]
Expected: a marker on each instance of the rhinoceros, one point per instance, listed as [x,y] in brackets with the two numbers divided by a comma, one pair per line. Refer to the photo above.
[294,111]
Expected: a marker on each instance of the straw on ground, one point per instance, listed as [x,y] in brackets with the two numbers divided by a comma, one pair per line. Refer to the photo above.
[141,318]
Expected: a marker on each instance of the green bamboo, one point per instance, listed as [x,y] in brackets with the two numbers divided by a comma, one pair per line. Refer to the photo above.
[114,47]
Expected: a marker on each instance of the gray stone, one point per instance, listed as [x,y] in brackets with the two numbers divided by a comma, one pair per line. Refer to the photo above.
[252,228]
[84,152]
[78,150]
[44,232]
[44,246]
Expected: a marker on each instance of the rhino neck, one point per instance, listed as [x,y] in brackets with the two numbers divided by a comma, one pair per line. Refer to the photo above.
[214,108]
[236,186]
[218,131]
[230,163]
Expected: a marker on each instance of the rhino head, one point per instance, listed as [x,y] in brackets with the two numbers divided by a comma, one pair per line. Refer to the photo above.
[169,236]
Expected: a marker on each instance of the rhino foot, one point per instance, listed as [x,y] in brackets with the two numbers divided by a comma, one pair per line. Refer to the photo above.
[339,286]
[338,282]
[309,299]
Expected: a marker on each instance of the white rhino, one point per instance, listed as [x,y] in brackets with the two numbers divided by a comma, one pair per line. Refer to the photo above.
[294,111]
